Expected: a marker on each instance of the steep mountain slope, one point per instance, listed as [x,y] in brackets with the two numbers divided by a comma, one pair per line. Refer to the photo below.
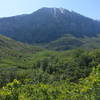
[48,24]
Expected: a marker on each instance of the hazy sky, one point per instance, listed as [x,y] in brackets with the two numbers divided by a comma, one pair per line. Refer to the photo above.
[90,8]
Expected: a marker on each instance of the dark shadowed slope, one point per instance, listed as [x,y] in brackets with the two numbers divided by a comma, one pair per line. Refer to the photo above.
[48,24]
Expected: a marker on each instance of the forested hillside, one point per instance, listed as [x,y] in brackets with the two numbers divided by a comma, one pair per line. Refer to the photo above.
[68,42]
[8,45]
[49,75]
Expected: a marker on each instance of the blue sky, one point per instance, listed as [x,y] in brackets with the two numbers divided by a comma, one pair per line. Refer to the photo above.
[89,8]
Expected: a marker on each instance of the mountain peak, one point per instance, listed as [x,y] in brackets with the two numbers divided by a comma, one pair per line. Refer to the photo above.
[60,9]
[54,11]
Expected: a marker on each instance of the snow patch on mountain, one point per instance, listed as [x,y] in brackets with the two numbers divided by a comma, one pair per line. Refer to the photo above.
[61,10]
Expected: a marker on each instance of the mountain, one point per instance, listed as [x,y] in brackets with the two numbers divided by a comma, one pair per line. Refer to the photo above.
[48,24]
[29,72]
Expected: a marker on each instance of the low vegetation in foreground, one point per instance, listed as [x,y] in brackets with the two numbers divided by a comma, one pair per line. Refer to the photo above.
[51,75]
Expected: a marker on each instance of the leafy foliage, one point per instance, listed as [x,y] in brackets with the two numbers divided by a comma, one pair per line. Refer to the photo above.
[37,74]
[86,89]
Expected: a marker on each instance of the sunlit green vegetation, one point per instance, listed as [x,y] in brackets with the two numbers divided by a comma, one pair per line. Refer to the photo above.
[38,74]
[49,75]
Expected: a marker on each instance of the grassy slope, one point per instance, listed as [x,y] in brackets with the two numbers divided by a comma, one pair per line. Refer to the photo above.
[70,42]
[10,46]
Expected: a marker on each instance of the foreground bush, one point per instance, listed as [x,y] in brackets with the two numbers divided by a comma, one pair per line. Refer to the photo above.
[85,89]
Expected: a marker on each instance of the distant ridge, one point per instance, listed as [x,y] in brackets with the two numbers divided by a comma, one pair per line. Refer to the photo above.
[11,47]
